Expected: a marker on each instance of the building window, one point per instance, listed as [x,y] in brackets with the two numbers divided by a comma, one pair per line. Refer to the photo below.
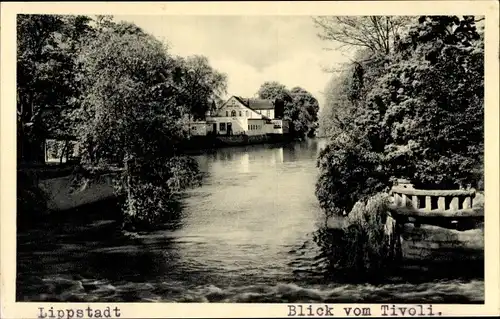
[227,113]
[249,127]
[222,126]
[233,113]
[240,113]
[246,113]
[268,113]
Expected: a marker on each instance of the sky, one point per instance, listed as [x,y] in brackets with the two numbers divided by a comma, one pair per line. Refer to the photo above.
[250,49]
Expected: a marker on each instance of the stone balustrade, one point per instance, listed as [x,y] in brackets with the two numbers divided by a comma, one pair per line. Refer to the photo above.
[440,203]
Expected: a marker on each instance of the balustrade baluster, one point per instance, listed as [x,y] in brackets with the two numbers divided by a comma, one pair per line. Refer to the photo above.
[415,202]
[442,203]
[428,203]
[467,202]
[454,203]
[397,199]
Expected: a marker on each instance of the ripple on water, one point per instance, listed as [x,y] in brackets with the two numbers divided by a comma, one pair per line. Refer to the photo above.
[91,290]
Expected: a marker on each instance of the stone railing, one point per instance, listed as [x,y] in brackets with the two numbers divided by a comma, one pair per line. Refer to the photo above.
[440,203]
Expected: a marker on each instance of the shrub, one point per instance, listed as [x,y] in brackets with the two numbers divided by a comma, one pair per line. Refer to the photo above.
[348,173]
[362,248]
[151,187]
[365,235]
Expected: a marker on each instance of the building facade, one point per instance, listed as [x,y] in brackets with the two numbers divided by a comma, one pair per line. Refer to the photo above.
[239,116]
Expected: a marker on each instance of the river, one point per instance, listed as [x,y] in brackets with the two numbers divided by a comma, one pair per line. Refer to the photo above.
[245,235]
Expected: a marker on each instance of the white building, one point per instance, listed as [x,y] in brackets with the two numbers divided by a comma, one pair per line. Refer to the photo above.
[238,116]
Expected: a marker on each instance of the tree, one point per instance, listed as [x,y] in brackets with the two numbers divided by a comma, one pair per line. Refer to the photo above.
[375,33]
[272,90]
[47,81]
[429,106]
[421,117]
[303,111]
[336,112]
[130,117]
[278,93]
[300,108]
[347,90]
[373,37]
[202,84]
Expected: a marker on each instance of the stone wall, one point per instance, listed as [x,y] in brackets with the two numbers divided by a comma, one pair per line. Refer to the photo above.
[63,193]
[60,189]
[438,244]
[234,140]
[439,225]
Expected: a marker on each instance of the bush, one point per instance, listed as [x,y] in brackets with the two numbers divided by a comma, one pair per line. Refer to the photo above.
[147,205]
[151,187]
[362,248]
[348,173]
[365,235]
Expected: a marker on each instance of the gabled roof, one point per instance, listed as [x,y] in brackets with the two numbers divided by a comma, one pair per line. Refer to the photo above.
[264,118]
[256,104]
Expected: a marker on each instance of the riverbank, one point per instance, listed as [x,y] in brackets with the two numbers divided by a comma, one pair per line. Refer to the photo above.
[208,142]
[59,187]
[52,188]
[433,244]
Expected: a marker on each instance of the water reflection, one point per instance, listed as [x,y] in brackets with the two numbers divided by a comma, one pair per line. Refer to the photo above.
[253,209]
[306,150]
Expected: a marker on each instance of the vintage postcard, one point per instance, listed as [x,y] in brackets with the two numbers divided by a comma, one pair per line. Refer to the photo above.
[249,159]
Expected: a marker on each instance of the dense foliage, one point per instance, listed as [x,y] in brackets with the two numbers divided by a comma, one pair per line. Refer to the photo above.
[300,107]
[50,75]
[130,116]
[416,113]
[47,81]
[120,95]
[203,85]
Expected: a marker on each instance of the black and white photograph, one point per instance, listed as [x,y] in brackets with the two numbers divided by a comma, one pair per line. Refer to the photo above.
[291,159]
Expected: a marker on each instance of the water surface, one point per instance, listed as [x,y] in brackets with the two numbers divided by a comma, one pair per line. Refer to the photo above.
[246,235]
